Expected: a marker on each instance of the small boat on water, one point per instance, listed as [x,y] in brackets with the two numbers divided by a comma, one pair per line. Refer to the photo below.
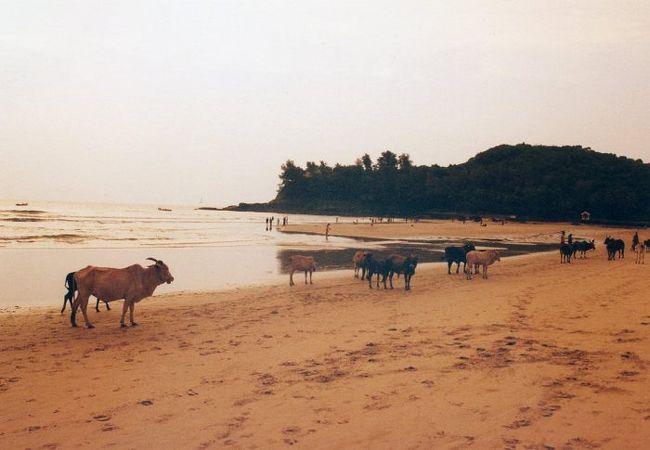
[22,204]
[164,209]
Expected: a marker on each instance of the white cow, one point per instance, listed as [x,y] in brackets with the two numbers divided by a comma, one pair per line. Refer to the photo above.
[480,258]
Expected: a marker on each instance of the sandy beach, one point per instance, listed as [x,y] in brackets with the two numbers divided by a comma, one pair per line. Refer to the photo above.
[541,355]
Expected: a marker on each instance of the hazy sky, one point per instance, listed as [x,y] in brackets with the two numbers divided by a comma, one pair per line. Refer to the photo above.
[177,101]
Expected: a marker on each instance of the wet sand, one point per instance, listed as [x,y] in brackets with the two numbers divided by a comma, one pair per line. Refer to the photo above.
[540,355]
[535,232]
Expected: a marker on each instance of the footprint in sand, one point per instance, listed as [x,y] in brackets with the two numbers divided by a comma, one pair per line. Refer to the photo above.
[549,410]
[518,424]
[146,402]
[428,383]
[510,444]
[102,418]
[627,374]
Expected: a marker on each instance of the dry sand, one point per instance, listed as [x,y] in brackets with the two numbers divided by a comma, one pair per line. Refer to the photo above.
[540,355]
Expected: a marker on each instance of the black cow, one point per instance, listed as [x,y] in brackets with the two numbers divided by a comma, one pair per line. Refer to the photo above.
[583,247]
[566,251]
[457,255]
[71,286]
[374,267]
[396,264]
[615,246]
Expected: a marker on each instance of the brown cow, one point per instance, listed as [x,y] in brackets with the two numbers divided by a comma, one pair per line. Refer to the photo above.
[480,258]
[302,263]
[131,283]
[357,261]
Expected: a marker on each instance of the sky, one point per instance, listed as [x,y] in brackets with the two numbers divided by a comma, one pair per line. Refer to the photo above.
[188,102]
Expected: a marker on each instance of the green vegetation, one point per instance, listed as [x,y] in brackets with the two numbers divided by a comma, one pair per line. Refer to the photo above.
[531,182]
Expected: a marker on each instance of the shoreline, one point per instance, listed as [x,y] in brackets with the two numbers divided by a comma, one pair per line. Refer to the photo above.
[211,268]
[281,280]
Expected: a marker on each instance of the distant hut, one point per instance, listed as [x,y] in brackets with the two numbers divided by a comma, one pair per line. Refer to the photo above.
[585,216]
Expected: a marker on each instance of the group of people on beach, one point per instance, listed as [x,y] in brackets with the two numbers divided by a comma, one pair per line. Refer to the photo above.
[270,220]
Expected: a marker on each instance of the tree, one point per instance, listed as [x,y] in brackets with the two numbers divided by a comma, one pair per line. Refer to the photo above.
[387,161]
[367,162]
[404,162]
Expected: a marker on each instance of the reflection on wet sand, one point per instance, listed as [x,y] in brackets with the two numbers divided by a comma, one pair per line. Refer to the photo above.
[426,251]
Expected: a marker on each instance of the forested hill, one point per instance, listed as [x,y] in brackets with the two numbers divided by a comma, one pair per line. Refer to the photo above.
[534,182]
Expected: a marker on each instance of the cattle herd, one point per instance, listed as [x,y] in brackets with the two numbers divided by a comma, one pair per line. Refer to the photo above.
[366,265]
[615,248]
[134,283]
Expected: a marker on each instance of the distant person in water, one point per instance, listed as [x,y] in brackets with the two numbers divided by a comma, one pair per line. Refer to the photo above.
[327,232]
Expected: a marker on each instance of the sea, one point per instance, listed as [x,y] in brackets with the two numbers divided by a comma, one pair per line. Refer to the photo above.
[40,242]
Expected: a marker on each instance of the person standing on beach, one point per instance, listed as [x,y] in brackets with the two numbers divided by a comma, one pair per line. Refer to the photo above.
[327,232]
[635,240]
[266,221]
[570,238]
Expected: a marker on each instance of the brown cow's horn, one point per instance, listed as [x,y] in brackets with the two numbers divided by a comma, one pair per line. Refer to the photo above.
[153,259]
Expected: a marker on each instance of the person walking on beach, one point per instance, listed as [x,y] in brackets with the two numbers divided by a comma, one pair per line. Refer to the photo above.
[327,232]
[635,240]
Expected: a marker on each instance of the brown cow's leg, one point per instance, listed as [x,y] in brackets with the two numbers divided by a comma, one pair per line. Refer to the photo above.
[306,276]
[131,309]
[310,272]
[83,303]
[124,308]
[291,278]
